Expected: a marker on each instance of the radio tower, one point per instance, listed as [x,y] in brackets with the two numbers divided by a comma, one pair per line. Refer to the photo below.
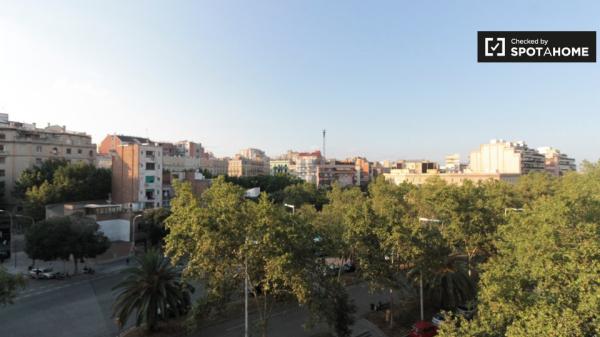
[324,132]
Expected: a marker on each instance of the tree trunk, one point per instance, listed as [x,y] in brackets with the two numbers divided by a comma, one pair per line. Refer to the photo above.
[391,308]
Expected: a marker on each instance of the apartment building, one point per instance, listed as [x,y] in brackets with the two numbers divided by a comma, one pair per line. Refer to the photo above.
[364,171]
[307,164]
[282,166]
[240,166]
[452,164]
[253,154]
[23,145]
[216,166]
[399,176]
[190,149]
[557,163]
[137,174]
[342,172]
[249,163]
[499,156]
[110,143]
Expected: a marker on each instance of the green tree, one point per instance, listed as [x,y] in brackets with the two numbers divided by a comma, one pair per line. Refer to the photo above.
[535,185]
[57,181]
[63,237]
[36,175]
[152,292]
[152,224]
[304,193]
[227,239]
[9,286]
[543,281]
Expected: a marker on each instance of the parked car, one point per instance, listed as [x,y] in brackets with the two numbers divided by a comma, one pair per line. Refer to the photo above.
[466,311]
[349,267]
[38,273]
[48,274]
[423,329]
[438,319]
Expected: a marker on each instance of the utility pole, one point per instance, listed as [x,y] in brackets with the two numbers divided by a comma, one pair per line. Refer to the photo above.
[246,298]
[324,133]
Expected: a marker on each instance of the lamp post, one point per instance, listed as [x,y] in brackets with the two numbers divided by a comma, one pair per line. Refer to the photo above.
[12,234]
[292,207]
[424,220]
[132,250]
[246,297]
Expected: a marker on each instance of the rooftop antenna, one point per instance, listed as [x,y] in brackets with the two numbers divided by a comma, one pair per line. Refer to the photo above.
[324,133]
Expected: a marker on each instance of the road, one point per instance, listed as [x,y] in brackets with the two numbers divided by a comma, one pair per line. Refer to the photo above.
[82,306]
[79,306]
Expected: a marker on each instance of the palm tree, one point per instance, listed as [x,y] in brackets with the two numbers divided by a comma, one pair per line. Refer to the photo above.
[152,291]
[450,283]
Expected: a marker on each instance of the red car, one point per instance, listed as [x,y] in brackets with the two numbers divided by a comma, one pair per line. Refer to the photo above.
[423,329]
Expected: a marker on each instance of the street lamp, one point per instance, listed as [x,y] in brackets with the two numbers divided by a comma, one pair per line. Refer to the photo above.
[12,234]
[133,232]
[425,220]
[246,282]
[292,207]
[512,209]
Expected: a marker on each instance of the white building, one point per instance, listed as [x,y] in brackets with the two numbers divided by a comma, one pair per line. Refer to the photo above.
[499,156]
[557,163]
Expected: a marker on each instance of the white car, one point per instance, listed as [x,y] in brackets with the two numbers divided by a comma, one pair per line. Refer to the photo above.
[438,319]
[39,273]
[467,311]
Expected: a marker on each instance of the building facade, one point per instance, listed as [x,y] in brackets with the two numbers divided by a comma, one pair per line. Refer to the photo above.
[557,163]
[24,145]
[399,176]
[499,156]
[244,167]
[282,166]
[137,174]
[342,172]
[216,166]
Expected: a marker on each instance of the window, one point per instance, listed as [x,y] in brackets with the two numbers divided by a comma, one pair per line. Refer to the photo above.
[2,160]
[54,150]
[79,151]
[1,147]
[149,179]
[68,151]
[150,166]
[91,153]
[38,148]
[150,194]
[38,161]
[2,173]
[2,136]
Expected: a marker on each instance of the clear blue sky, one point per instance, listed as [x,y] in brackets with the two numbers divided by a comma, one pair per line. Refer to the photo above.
[387,79]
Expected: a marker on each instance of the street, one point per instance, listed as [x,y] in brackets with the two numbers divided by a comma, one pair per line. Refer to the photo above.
[82,306]
[79,306]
